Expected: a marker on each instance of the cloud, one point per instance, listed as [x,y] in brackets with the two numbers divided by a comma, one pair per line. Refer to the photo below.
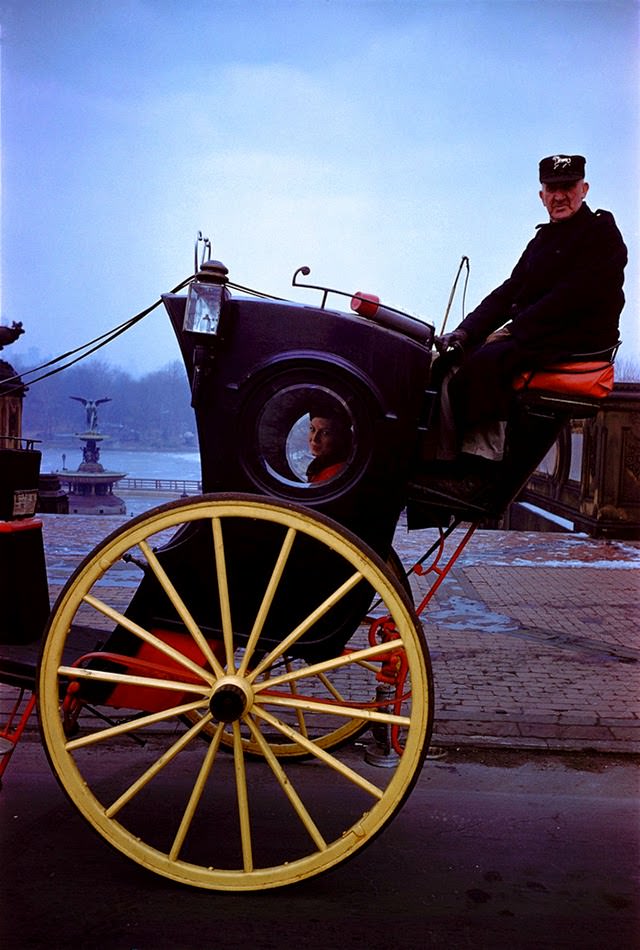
[375,142]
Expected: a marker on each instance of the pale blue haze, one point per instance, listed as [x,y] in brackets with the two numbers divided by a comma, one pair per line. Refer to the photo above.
[377,141]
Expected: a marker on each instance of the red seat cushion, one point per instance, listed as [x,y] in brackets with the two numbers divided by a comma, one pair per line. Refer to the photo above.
[594,379]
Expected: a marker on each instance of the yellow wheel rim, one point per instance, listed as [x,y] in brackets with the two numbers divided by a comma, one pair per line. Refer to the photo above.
[177,806]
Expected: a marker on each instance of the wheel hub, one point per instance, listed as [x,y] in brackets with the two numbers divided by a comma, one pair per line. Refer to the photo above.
[230,699]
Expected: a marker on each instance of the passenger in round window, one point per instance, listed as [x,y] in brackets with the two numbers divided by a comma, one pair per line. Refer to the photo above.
[329,441]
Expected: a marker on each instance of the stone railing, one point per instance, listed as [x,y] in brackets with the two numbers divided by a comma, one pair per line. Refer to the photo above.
[590,480]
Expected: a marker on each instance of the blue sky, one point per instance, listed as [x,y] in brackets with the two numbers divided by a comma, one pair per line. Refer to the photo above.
[376,141]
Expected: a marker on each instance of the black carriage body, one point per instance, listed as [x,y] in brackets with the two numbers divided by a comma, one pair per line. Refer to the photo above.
[254,385]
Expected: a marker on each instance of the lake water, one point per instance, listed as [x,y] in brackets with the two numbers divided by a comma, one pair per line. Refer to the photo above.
[147,463]
[134,463]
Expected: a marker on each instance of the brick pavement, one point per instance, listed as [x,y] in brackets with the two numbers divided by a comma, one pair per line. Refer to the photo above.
[534,637]
[535,644]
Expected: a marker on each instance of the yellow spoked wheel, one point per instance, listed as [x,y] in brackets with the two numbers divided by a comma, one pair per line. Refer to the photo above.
[178,806]
[326,686]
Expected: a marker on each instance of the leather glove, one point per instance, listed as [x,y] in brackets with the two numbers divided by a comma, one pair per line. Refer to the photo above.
[503,334]
[451,341]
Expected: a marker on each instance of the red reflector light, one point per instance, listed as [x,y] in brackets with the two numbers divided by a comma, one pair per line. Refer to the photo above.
[365,305]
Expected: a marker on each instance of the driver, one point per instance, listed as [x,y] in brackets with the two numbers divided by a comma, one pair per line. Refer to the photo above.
[564,297]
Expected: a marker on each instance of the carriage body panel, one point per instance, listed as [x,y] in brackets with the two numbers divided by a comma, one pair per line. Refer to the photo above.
[256,381]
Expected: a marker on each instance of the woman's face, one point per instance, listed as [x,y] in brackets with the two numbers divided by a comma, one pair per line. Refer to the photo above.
[323,436]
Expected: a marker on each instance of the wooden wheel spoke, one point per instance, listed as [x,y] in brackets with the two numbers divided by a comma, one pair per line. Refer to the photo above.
[180,606]
[106,676]
[285,645]
[223,593]
[267,600]
[369,667]
[287,787]
[293,686]
[196,793]
[315,669]
[149,638]
[243,798]
[157,767]
[334,709]
[131,725]
[319,753]
[330,688]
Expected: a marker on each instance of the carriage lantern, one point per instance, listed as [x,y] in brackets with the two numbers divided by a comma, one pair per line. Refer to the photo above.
[204,300]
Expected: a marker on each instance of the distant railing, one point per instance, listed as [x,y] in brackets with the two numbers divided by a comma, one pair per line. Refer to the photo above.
[174,486]
[591,477]
[16,442]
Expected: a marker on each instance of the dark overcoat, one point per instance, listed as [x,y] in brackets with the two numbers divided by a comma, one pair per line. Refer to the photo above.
[563,297]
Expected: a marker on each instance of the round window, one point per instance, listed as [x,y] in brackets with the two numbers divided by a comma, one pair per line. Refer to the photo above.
[306,437]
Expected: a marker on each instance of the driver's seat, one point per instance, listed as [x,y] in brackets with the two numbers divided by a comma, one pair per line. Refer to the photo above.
[546,399]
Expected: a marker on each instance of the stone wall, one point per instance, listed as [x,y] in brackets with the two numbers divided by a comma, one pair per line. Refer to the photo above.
[591,477]
[11,396]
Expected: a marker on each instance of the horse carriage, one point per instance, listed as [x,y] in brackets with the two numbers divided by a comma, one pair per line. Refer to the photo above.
[222,670]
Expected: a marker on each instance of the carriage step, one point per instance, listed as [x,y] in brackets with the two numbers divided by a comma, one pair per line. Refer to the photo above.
[18,674]
[6,745]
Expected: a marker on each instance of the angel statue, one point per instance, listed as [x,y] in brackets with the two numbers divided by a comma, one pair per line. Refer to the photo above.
[10,334]
[91,409]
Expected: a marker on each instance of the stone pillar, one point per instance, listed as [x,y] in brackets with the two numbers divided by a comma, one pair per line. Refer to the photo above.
[11,396]
[591,477]
[610,484]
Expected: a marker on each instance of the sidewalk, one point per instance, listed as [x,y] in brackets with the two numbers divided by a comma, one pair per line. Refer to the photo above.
[535,643]
[534,637]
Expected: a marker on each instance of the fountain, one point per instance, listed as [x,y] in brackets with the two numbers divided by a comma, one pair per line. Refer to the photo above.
[90,487]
